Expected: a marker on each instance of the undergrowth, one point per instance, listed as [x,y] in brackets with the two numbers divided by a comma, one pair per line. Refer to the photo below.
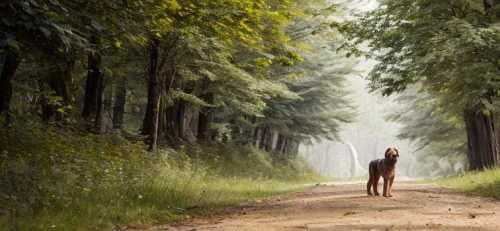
[54,178]
[485,183]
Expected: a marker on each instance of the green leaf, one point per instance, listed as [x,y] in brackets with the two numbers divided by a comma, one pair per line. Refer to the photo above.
[28,25]
[14,46]
[56,17]
[97,25]
[6,22]
[45,31]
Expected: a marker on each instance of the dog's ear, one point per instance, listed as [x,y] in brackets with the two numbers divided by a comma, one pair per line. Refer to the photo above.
[387,151]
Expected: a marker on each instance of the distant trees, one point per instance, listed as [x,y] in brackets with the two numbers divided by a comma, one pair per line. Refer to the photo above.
[236,71]
[441,138]
[451,49]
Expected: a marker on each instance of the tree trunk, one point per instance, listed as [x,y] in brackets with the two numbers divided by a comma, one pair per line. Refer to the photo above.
[205,120]
[10,65]
[187,132]
[279,143]
[98,113]
[487,4]
[150,124]
[355,166]
[162,123]
[93,88]
[268,142]
[255,136]
[263,137]
[290,146]
[59,81]
[286,143]
[119,105]
[174,116]
[481,140]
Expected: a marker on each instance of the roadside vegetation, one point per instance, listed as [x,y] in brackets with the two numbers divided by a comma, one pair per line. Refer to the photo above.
[58,181]
[450,100]
[118,112]
[485,183]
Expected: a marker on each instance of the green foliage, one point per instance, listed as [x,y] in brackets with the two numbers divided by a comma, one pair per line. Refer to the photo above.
[485,183]
[440,137]
[449,47]
[318,82]
[43,167]
[53,178]
[241,52]
[236,50]
[230,161]
[33,25]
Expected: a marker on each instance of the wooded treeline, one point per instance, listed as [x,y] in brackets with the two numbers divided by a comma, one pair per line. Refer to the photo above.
[239,71]
[444,57]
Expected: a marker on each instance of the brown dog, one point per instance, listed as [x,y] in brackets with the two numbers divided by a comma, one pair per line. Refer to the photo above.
[383,167]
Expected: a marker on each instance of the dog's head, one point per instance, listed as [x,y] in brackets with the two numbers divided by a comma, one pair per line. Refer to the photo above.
[391,155]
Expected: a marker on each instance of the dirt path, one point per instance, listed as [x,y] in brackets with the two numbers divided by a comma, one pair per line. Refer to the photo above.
[347,207]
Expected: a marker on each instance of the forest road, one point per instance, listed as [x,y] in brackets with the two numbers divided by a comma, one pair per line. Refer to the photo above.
[347,207]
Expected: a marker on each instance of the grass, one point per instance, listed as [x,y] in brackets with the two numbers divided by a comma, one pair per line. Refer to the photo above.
[485,183]
[53,179]
[169,198]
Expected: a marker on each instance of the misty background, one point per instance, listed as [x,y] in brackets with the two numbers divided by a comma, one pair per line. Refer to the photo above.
[366,138]
[370,134]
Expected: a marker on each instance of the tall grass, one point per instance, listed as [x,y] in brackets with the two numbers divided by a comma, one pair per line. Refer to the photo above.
[485,183]
[55,179]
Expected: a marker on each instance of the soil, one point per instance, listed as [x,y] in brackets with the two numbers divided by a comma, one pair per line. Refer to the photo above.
[347,207]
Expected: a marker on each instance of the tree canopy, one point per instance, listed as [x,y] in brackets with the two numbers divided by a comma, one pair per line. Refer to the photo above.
[449,48]
[250,65]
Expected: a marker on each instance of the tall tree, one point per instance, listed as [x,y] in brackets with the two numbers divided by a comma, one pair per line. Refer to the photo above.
[9,68]
[30,27]
[119,104]
[248,23]
[450,48]
[105,25]
[316,75]
[94,85]
[150,126]
[440,137]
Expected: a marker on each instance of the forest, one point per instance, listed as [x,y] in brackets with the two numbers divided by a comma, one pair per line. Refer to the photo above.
[117,111]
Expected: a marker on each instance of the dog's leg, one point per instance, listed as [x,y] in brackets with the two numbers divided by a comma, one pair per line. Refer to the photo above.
[370,179]
[375,183]
[390,186]
[386,187]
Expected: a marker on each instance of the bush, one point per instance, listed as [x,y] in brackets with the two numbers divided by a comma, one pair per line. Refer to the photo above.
[43,167]
[57,178]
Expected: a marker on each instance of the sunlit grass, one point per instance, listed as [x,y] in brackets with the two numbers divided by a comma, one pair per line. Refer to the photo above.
[191,189]
[171,196]
[485,183]
[52,179]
